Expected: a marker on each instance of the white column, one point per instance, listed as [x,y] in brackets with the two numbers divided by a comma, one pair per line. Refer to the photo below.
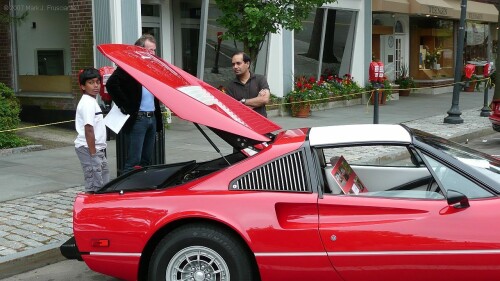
[275,64]
[116,21]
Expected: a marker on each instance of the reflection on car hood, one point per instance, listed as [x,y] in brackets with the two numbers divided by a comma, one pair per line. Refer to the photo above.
[188,97]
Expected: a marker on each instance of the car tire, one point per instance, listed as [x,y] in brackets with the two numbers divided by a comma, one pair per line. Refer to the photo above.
[200,251]
[496,127]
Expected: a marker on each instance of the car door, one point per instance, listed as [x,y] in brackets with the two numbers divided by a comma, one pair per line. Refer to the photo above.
[410,239]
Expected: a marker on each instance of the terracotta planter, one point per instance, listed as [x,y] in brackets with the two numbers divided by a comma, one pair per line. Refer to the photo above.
[404,92]
[470,87]
[381,98]
[302,111]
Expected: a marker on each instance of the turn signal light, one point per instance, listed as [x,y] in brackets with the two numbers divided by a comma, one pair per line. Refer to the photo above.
[100,243]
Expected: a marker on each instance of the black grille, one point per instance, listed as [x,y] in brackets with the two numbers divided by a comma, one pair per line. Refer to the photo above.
[284,174]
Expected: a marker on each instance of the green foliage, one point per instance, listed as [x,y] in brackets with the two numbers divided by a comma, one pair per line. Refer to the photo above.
[316,93]
[9,118]
[250,21]
[404,80]
[307,92]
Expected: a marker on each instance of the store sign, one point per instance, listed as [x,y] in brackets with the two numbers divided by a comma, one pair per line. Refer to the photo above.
[441,11]
[474,16]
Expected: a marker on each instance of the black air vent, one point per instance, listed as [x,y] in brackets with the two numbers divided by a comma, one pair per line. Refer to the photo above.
[284,174]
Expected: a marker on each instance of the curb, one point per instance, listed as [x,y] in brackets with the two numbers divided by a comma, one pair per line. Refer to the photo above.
[474,134]
[22,149]
[29,260]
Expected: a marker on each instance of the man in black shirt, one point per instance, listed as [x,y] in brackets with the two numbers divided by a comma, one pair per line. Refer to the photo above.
[250,89]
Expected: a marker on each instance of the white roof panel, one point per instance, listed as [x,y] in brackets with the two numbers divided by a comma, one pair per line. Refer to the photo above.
[364,133]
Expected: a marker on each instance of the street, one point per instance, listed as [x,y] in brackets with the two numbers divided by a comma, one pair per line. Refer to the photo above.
[78,271]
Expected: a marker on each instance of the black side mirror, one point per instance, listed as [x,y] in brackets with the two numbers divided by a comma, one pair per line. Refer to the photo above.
[456,199]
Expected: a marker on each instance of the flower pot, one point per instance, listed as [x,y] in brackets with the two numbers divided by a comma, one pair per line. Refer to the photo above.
[381,98]
[404,92]
[302,111]
[470,86]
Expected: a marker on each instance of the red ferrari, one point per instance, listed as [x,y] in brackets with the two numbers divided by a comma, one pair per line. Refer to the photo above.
[355,202]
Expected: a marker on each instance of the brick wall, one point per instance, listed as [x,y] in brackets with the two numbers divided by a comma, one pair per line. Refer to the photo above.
[81,39]
[5,51]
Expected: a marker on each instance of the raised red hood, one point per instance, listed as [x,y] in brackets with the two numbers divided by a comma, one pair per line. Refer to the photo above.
[190,98]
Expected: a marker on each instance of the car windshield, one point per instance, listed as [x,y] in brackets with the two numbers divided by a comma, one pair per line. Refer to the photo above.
[487,165]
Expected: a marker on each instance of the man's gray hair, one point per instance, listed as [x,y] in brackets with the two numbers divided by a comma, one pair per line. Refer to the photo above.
[145,37]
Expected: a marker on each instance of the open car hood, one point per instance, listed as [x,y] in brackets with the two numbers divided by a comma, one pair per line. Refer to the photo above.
[190,98]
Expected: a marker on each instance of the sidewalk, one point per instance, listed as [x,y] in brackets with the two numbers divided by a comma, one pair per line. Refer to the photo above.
[38,187]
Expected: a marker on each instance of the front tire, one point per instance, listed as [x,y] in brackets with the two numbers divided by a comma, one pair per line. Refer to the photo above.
[201,253]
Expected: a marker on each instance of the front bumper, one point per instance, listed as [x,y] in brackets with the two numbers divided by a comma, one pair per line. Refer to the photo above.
[70,250]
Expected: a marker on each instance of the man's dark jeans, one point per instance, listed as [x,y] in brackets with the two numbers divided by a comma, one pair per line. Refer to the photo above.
[140,140]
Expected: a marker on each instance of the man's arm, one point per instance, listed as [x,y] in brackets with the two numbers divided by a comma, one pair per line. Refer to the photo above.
[90,138]
[261,99]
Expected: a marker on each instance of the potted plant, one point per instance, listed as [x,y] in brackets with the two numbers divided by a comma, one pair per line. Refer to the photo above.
[306,93]
[385,91]
[470,83]
[405,82]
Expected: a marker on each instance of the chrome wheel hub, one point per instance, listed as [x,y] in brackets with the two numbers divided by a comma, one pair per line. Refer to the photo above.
[197,263]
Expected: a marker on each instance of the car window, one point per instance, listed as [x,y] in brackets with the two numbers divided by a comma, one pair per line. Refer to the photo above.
[378,155]
[450,179]
[377,170]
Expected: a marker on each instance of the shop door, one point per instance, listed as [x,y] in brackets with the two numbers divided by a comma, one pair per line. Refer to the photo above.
[387,55]
[187,20]
[399,61]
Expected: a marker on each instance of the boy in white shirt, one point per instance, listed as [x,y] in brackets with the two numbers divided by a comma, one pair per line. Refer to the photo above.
[91,140]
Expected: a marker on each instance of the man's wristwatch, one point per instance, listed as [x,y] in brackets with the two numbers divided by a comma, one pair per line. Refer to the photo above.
[243,101]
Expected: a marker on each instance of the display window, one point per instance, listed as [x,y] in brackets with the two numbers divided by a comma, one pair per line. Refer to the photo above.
[432,48]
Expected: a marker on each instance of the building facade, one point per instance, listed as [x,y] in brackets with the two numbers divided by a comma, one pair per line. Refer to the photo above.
[421,36]
[42,52]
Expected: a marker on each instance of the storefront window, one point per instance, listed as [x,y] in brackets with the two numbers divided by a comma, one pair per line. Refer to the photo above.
[435,43]
[476,42]
[336,55]
[218,71]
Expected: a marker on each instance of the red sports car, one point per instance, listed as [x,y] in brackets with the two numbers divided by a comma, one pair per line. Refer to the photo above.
[355,202]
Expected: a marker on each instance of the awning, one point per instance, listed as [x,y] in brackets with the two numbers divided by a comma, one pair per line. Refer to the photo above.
[394,6]
[476,11]
[481,11]
[434,8]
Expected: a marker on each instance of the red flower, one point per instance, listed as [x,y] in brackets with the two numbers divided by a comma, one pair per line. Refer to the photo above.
[312,79]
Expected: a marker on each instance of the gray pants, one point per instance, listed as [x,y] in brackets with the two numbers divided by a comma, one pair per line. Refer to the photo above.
[95,169]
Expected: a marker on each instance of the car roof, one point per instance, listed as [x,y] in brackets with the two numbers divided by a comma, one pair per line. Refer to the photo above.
[188,97]
[360,133]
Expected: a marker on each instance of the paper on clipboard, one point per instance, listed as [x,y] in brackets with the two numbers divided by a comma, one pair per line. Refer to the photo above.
[115,119]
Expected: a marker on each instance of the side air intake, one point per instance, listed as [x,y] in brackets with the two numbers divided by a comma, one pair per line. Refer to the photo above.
[284,174]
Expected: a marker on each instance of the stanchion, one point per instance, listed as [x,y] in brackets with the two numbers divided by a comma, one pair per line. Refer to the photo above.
[485,111]
[375,106]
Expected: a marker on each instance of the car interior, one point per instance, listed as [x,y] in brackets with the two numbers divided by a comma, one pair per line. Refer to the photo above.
[344,178]
[168,175]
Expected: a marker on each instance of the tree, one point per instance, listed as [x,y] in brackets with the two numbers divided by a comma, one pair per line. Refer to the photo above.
[251,21]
